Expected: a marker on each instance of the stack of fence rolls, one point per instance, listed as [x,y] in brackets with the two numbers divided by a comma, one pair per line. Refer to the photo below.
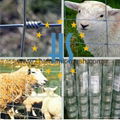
[116,91]
[71,105]
[82,82]
[107,83]
[95,90]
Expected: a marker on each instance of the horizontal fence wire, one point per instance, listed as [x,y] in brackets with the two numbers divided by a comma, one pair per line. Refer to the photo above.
[29,25]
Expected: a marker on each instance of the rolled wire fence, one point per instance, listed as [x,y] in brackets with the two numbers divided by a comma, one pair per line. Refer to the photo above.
[93,91]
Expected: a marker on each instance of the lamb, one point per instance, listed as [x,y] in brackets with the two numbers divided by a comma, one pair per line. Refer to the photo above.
[17,85]
[101,25]
[51,103]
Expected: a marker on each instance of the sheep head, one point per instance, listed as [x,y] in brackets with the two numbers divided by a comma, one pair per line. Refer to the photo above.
[92,15]
[33,76]
[49,91]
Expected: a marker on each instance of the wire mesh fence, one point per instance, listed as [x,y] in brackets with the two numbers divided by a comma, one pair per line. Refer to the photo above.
[12,106]
[98,35]
[93,90]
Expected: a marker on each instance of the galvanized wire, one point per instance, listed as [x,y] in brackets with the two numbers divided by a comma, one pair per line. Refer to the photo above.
[103,90]
[24,28]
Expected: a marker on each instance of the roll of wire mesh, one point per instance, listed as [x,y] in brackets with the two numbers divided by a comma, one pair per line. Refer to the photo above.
[71,105]
[116,91]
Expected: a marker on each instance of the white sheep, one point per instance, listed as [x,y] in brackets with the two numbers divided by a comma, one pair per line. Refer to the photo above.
[15,86]
[51,103]
[101,25]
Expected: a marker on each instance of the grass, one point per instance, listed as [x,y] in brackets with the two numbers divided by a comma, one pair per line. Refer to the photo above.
[77,44]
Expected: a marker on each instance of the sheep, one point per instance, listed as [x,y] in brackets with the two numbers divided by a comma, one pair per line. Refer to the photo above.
[101,25]
[15,86]
[51,103]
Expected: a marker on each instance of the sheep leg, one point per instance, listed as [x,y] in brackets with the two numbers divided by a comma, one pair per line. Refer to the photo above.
[11,113]
[57,117]
[33,112]
[47,115]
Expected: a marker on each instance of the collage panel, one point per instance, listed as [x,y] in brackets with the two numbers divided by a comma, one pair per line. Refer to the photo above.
[59,59]
[29,88]
[92,89]
[96,23]
[26,26]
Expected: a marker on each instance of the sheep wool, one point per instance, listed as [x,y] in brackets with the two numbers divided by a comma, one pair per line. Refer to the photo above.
[51,103]
[14,85]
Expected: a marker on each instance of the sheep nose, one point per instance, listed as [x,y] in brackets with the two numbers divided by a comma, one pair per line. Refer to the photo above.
[84,26]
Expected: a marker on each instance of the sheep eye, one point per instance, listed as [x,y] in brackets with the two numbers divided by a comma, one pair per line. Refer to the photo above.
[79,11]
[101,16]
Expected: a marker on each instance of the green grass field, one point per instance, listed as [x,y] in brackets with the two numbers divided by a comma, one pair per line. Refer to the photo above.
[77,44]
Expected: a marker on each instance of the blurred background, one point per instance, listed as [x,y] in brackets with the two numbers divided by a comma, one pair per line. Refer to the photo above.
[11,12]
[77,44]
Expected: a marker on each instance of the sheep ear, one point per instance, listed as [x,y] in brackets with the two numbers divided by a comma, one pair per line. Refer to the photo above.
[72,5]
[29,71]
[54,89]
[113,12]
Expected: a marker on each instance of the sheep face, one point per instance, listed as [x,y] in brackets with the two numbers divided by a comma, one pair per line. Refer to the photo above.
[91,17]
[36,76]
[50,91]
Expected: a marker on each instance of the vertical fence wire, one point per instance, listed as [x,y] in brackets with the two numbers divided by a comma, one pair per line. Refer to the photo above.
[24,29]
[106,19]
